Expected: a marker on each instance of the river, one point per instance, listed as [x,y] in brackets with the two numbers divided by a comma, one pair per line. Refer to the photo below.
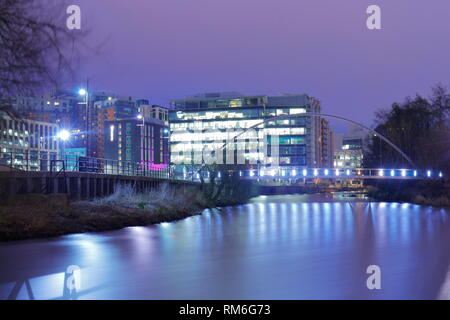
[276,247]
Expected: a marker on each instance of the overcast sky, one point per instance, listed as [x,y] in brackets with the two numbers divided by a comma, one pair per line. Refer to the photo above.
[165,49]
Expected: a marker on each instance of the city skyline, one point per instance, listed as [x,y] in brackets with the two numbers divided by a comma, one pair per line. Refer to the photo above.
[322,49]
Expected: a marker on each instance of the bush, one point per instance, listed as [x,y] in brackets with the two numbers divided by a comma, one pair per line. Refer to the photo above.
[434,193]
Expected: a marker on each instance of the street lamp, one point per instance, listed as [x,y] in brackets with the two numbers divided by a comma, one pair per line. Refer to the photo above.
[84,92]
[63,135]
[166,147]
[141,117]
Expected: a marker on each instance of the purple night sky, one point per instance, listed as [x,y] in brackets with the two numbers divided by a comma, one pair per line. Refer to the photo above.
[165,49]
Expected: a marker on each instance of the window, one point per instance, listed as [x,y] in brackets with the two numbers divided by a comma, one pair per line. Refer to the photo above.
[111,133]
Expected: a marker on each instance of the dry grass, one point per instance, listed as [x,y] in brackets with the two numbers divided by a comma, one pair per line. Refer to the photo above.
[164,197]
[124,208]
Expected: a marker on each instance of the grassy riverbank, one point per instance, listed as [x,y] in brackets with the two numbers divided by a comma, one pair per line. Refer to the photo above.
[424,193]
[122,209]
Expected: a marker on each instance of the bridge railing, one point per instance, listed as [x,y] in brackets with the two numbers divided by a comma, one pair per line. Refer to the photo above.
[285,173]
[51,162]
[344,173]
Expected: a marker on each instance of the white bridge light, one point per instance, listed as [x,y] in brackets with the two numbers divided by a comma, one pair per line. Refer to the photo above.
[392,173]
[305,172]
[440,175]
[316,172]
[415,173]
[381,172]
[347,172]
[337,172]
[252,173]
[326,172]
[429,173]
[294,173]
[403,173]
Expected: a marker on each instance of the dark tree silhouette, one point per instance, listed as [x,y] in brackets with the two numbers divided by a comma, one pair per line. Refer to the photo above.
[420,127]
[224,184]
[36,48]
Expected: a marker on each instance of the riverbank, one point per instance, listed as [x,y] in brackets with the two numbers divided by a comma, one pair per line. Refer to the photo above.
[41,218]
[435,194]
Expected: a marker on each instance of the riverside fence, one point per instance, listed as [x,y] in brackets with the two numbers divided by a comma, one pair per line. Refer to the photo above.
[79,177]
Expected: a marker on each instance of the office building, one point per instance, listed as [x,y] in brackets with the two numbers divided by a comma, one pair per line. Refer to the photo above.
[85,115]
[208,121]
[27,144]
[137,141]
[348,153]
[349,148]
[155,112]
[326,144]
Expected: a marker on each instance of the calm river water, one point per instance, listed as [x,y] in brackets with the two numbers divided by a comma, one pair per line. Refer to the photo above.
[277,247]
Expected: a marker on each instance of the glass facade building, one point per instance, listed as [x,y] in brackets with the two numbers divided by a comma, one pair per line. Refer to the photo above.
[27,144]
[349,154]
[208,121]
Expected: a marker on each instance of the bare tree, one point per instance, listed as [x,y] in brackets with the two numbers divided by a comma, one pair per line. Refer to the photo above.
[420,127]
[36,48]
[225,185]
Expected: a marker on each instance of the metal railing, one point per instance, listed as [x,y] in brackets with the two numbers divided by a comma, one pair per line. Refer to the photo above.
[50,162]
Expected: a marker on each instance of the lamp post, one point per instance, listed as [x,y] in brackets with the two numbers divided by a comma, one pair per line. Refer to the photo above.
[85,93]
[141,117]
[166,155]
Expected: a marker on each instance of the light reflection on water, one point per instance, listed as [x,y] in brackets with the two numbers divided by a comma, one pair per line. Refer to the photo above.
[273,248]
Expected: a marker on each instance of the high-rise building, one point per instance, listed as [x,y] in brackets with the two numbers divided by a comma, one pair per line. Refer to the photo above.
[156,112]
[65,109]
[110,108]
[349,148]
[348,153]
[85,115]
[326,144]
[208,121]
[27,144]
[143,142]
